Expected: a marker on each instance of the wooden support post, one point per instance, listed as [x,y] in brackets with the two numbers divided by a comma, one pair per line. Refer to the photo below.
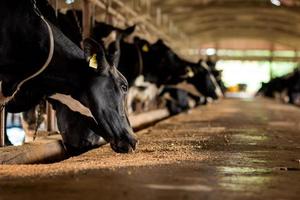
[132,13]
[271,65]
[296,58]
[138,6]
[165,21]
[271,60]
[93,17]
[86,14]
[148,7]
[133,2]
[2,127]
[158,17]
[171,28]
[108,16]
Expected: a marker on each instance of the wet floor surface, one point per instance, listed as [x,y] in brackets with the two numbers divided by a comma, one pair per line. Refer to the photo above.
[234,149]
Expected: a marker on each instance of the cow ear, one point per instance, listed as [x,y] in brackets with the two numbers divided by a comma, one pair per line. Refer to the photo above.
[128,31]
[90,48]
[95,55]
[114,50]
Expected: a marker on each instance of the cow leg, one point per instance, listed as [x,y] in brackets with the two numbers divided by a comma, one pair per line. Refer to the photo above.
[28,120]
[77,130]
[6,140]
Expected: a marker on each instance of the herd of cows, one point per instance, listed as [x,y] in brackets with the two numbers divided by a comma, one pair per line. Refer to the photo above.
[285,88]
[94,83]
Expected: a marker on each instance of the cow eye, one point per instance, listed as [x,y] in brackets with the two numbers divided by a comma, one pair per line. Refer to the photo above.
[124,87]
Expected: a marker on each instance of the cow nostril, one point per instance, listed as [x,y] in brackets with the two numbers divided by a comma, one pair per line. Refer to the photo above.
[133,143]
[126,143]
[123,147]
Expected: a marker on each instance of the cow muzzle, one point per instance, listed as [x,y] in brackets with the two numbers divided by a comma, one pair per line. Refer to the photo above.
[125,144]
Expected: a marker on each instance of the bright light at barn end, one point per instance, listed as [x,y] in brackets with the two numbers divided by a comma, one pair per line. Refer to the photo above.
[211,51]
[276,2]
[69,1]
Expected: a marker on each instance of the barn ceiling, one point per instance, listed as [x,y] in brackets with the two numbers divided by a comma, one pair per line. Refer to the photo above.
[231,24]
[213,22]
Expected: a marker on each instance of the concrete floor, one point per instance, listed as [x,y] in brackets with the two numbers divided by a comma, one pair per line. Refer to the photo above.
[234,149]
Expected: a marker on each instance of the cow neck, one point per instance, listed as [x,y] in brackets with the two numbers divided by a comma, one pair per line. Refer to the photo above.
[5,100]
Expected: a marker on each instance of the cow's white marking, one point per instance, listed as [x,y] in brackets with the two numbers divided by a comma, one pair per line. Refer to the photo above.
[218,90]
[72,104]
[189,73]
[110,38]
[203,63]
[141,91]
[192,103]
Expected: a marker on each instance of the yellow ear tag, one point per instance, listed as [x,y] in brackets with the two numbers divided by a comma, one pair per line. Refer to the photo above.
[93,62]
[190,72]
[145,48]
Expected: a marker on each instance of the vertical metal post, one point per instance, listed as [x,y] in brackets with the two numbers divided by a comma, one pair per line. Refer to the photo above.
[2,127]
[56,8]
[50,118]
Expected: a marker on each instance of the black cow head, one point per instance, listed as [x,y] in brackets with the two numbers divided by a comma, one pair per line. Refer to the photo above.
[162,65]
[205,82]
[106,98]
[24,50]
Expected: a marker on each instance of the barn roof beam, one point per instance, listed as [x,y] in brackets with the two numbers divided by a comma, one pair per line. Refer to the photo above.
[201,19]
[257,25]
[253,12]
[275,36]
[260,58]
[180,7]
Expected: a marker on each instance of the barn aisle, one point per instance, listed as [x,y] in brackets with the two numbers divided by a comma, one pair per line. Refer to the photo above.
[233,149]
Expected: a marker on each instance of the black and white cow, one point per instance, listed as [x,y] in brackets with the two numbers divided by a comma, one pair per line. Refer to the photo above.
[163,66]
[179,100]
[24,46]
[211,63]
[285,88]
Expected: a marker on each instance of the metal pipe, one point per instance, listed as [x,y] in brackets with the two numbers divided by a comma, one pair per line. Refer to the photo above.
[54,150]
[50,118]
[2,127]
